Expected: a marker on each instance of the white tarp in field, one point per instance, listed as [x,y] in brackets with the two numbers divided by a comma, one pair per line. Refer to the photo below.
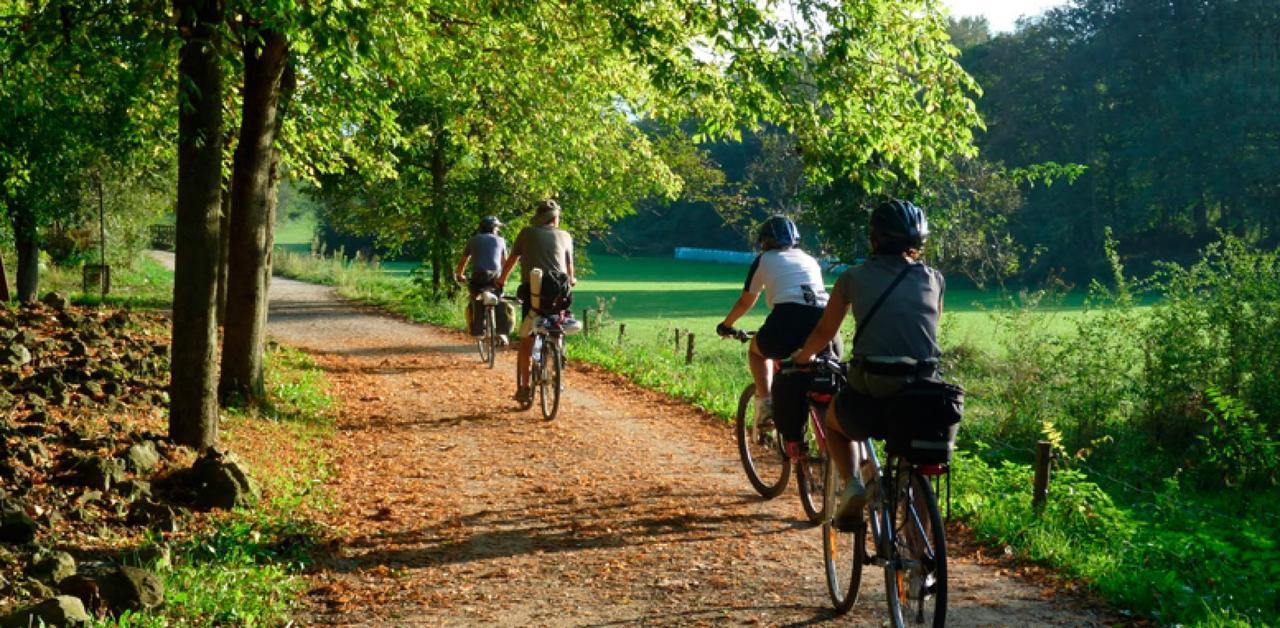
[743,257]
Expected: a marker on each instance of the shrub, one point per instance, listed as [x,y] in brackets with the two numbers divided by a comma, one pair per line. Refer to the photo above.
[1219,324]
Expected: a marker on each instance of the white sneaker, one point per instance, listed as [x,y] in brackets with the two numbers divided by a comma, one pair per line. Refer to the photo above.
[852,501]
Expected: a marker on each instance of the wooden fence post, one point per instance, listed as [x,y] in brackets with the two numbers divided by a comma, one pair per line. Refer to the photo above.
[677,340]
[622,330]
[688,356]
[586,322]
[1040,491]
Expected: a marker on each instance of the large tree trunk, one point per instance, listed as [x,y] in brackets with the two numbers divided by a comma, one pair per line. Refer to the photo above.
[193,410]
[252,188]
[26,240]
[224,251]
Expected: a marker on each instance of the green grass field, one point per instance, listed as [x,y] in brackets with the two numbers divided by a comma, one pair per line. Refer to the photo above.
[652,295]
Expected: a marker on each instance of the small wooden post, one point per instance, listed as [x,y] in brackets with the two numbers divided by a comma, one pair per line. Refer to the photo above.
[677,340]
[586,322]
[688,355]
[622,330]
[1040,492]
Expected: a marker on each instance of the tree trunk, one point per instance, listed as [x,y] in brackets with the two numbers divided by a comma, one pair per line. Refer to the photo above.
[26,240]
[4,282]
[439,173]
[224,251]
[252,189]
[193,411]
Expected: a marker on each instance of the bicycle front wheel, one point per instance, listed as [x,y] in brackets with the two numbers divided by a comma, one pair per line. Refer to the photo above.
[549,387]
[490,337]
[844,553]
[760,448]
[916,570]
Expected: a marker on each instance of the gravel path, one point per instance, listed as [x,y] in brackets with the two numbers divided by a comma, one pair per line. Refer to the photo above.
[629,508]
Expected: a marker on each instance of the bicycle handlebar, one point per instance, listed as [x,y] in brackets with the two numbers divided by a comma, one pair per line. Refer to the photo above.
[741,335]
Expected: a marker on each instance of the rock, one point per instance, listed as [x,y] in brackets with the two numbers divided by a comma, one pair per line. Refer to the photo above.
[78,349]
[35,590]
[51,567]
[25,337]
[62,610]
[56,300]
[220,481]
[142,457]
[88,497]
[156,516]
[16,528]
[99,473]
[133,489]
[82,587]
[15,355]
[130,589]
[92,389]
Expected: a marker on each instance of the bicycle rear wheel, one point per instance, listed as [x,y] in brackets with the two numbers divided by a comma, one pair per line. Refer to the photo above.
[811,476]
[916,571]
[760,448]
[549,387]
[490,337]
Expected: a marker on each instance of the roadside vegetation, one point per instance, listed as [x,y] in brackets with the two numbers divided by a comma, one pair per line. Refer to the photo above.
[1152,392]
[66,417]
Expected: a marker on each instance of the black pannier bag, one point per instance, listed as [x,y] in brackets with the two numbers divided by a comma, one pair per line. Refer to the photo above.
[925,416]
[555,295]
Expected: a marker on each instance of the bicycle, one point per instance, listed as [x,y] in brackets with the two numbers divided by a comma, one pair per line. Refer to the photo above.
[547,362]
[902,524]
[489,342]
[763,454]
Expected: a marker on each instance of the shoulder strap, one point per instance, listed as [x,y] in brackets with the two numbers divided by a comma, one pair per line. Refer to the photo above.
[862,324]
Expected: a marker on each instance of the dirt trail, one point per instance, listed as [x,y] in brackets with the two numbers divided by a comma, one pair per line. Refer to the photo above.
[454,509]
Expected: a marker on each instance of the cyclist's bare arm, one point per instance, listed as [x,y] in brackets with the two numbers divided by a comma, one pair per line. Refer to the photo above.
[462,266]
[568,264]
[743,305]
[825,331]
[507,265]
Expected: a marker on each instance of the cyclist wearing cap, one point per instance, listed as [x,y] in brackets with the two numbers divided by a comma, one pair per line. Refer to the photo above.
[897,345]
[543,245]
[792,283]
[487,252]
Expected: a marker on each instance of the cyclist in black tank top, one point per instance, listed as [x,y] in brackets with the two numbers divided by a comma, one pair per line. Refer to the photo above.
[897,301]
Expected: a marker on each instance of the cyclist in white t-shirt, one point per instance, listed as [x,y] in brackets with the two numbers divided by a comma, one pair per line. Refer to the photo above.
[792,283]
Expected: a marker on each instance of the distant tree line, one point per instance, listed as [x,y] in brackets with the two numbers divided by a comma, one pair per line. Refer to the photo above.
[1156,119]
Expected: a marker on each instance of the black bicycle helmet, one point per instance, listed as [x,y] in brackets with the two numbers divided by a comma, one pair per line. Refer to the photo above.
[777,232]
[548,205]
[898,226]
[489,224]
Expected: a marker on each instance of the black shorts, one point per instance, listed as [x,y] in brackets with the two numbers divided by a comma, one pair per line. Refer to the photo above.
[786,329]
[481,281]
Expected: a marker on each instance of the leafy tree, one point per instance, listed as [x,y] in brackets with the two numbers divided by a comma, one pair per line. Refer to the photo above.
[75,104]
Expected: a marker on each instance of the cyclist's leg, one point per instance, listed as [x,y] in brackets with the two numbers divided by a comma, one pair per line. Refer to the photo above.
[839,445]
[761,370]
[525,348]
